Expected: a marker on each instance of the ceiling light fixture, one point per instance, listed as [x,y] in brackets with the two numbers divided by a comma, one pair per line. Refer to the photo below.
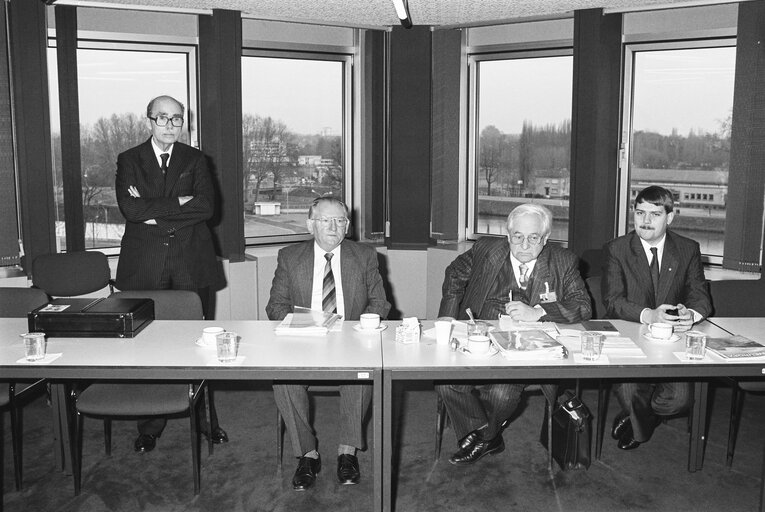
[402,11]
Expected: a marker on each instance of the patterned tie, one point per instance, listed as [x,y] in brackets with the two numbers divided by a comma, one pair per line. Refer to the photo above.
[655,272]
[164,157]
[523,280]
[328,299]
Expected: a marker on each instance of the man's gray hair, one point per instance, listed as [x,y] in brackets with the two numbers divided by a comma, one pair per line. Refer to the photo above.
[531,209]
[328,199]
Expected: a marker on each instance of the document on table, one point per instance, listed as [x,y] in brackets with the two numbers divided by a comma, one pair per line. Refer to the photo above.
[618,346]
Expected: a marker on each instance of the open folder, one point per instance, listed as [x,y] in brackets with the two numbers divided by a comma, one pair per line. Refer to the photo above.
[304,321]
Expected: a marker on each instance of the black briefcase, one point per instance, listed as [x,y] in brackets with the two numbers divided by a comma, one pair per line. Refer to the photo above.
[571,432]
[106,317]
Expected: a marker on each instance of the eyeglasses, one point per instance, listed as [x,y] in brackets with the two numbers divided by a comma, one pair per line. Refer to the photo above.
[517,239]
[327,221]
[162,120]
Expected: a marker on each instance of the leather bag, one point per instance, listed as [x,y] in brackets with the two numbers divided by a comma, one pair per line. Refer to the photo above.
[571,432]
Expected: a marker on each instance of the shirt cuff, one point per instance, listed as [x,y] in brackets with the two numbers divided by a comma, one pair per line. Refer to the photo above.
[642,321]
[696,315]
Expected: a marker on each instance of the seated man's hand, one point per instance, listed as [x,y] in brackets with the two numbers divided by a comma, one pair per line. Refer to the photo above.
[519,311]
[184,199]
[150,222]
[682,321]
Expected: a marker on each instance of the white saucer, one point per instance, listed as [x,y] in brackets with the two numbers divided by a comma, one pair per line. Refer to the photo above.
[382,327]
[202,344]
[671,339]
[490,353]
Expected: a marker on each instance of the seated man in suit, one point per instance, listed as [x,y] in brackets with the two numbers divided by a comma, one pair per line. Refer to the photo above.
[331,274]
[653,275]
[485,278]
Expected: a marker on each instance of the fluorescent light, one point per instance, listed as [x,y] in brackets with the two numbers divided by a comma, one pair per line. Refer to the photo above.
[402,11]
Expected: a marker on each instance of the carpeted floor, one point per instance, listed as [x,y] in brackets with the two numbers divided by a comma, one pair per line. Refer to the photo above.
[242,475]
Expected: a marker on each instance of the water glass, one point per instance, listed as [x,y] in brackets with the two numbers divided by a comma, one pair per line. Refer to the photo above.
[592,345]
[227,346]
[695,345]
[34,346]
[443,331]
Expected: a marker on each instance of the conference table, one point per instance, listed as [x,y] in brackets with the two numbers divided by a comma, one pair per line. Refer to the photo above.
[430,361]
[167,350]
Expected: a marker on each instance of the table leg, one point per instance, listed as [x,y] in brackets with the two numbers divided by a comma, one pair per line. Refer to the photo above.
[698,426]
[387,433]
[762,482]
[377,456]
[61,431]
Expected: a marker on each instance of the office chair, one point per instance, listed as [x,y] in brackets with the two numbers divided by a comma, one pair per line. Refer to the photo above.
[134,400]
[69,274]
[16,303]
[740,298]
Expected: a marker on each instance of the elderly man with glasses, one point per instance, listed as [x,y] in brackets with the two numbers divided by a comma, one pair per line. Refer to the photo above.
[335,275]
[522,276]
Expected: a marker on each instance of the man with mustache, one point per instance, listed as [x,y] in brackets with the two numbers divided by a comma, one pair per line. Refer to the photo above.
[653,275]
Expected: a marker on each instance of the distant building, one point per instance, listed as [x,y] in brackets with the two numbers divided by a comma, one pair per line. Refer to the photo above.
[552,183]
[694,189]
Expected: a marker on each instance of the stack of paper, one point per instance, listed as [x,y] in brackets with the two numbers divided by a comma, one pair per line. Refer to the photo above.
[508,324]
[307,322]
[527,345]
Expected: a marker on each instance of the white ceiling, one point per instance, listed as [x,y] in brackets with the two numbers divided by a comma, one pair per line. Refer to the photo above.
[380,13]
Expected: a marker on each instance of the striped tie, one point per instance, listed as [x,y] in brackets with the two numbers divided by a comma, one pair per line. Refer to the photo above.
[523,279]
[328,300]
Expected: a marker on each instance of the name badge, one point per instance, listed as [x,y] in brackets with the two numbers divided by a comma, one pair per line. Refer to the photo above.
[548,296]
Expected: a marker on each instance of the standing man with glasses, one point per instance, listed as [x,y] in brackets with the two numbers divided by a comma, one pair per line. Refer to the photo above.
[165,192]
[522,276]
[331,274]
[653,275]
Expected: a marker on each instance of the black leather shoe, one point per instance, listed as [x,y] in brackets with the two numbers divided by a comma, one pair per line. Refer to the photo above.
[469,440]
[348,469]
[145,443]
[627,438]
[219,435]
[620,424]
[478,450]
[305,474]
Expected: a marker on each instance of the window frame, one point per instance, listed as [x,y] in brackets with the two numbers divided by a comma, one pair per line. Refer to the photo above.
[473,62]
[191,126]
[347,59]
[630,49]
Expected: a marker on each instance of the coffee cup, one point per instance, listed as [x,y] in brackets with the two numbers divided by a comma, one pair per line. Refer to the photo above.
[210,335]
[478,344]
[369,321]
[660,330]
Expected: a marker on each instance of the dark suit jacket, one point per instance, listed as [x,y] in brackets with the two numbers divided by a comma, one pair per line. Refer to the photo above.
[627,286]
[293,281]
[144,246]
[469,277]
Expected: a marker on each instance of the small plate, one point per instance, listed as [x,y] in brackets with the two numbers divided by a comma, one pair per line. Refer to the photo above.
[490,353]
[202,344]
[671,339]
[358,327]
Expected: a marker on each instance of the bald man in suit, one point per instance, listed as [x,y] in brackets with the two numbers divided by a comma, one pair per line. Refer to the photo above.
[521,276]
[299,282]
[165,192]
[673,292]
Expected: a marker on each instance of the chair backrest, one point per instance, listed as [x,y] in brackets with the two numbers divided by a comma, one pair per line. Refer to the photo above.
[738,298]
[71,273]
[591,263]
[169,304]
[17,302]
[596,294]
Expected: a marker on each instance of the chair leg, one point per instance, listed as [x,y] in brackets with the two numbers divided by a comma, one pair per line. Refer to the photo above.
[208,419]
[16,430]
[108,436]
[76,447]
[736,404]
[195,446]
[604,390]
[440,423]
[279,440]
[549,436]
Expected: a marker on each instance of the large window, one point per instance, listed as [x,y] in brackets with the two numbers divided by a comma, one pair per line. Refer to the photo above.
[115,82]
[678,115]
[520,137]
[295,117]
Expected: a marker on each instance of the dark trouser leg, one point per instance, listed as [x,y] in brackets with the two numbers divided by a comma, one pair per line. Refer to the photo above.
[635,400]
[293,404]
[152,426]
[354,404]
[472,407]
